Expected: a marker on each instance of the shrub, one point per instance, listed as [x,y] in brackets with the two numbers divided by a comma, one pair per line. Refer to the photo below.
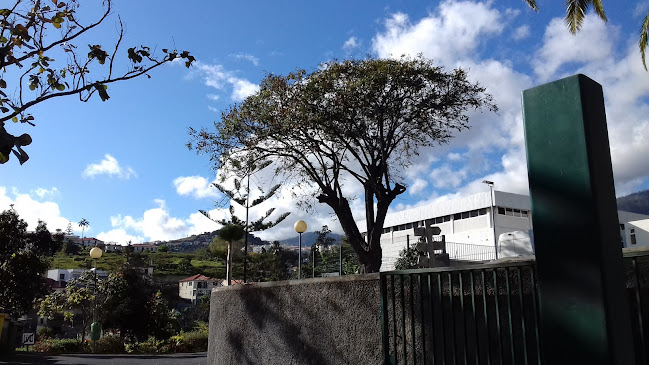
[110,344]
[194,341]
[45,332]
[58,346]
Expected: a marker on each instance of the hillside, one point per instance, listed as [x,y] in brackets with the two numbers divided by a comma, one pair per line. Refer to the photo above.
[308,238]
[635,203]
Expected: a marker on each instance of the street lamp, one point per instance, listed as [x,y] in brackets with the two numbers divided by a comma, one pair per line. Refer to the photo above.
[300,227]
[95,328]
[493,213]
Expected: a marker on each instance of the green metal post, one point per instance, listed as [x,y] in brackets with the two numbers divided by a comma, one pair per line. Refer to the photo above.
[583,304]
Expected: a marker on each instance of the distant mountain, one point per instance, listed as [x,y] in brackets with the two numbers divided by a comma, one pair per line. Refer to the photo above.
[635,203]
[308,238]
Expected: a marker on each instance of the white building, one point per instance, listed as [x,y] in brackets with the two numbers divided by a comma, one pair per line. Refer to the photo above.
[60,277]
[471,231]
[144,247]
[193,287]
[466,223]
[634,229]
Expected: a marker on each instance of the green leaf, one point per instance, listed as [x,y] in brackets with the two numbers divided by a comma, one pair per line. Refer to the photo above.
[60,87]
[14,119]
[3,83]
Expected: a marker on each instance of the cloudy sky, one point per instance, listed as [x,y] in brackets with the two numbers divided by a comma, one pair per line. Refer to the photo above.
[123,164]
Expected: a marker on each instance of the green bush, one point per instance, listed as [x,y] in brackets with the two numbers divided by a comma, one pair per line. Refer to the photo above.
[59,346]
[45,332]
[194,341]
[110,344]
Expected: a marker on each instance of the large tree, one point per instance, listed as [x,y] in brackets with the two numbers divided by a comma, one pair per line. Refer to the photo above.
[34,33]
[361,120]
[23,261]
[576,11]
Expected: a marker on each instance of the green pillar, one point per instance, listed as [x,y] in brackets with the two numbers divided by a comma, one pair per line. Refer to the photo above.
[583,301]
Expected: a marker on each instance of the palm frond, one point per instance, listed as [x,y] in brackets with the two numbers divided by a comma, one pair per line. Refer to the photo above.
[599,9]
[532,4]
[575,14]
[643,40]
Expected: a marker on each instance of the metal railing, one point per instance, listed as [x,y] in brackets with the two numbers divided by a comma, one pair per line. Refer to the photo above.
[483,314]
[470,252]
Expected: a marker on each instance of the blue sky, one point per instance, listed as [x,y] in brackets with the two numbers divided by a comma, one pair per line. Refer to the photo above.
[123,164]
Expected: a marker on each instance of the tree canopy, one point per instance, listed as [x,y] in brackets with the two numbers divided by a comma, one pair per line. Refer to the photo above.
[354,120]
[33,33]
[23,261]
[576,11]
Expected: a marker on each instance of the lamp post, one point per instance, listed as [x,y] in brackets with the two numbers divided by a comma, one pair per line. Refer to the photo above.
[300,227]
[493,213]
[95,328]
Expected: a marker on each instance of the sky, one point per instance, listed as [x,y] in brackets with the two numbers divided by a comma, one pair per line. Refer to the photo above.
[123,164]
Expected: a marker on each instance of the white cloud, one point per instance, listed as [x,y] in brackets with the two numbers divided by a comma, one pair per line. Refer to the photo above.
[196,186]
[109,166]
[247,57]
[241,88]
[351,43]
[641,9]
[119,236]
[592,45]
[454,32]
[217,77]
[45,193]
[418,186]
[521,32]
[31,211]
[213,97]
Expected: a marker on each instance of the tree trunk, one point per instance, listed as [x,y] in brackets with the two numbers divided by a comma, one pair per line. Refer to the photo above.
[228,274]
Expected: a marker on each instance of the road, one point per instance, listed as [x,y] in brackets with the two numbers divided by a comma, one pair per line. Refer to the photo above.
[199,358]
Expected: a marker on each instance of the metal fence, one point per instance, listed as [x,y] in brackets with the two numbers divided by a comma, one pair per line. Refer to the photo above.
[470,252]
[482,314]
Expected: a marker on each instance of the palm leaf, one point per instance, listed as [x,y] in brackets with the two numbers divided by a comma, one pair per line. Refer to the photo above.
[575,14]
[643,40]
[532,4]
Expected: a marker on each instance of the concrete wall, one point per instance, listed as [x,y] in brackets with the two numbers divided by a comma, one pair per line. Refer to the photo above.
[313,321]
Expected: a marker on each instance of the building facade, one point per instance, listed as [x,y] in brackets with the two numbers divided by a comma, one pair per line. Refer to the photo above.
[194,287]
[467,223]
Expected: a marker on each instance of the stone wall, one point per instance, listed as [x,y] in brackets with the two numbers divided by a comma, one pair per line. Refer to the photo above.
[313,321]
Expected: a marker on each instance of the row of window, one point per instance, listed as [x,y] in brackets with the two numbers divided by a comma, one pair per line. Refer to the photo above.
[458,216]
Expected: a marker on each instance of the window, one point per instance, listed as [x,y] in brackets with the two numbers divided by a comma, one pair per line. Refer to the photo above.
[447,218]
[517,212]
[633,241]
[61,277]
[409,226]
[482,211]
[439,220]
[386,230]
[501,210]
[465,215]
[525,213]
[509,212]
[473,213]
[622,227]
[190,283]
[457,216]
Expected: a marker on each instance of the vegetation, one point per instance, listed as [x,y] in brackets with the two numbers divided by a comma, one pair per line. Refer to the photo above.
[23,261]
[636,202]
[408,259]
[33,33]
[576,11]
[360,120]
[230,233]
[242,198]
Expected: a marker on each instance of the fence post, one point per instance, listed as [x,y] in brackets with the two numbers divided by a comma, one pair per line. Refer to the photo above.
[583,303]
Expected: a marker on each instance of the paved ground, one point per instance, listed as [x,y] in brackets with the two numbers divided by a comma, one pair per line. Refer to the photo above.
[199,358]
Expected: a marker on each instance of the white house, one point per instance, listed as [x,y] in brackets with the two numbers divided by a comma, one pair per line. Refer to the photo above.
[144,247]
[60,277]
[193,287]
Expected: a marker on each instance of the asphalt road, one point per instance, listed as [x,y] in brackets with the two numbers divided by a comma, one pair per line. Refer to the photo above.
[199,358]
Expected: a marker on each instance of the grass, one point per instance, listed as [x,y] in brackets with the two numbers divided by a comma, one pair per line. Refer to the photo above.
[164,263]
